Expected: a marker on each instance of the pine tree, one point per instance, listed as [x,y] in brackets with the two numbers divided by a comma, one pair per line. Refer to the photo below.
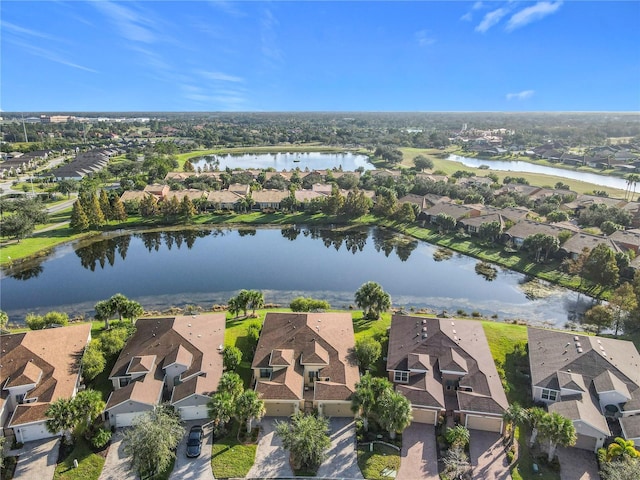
[187,209]
[94,214]
[79,220]
[117,210]
[105,205]
[149,206]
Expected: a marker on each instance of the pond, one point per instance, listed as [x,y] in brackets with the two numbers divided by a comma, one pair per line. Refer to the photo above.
[520,166]
[204,267]
[346,161]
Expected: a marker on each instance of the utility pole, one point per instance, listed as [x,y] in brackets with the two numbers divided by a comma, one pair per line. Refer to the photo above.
[25,129]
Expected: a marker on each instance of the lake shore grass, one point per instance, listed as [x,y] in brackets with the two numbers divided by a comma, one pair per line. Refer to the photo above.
[449,167]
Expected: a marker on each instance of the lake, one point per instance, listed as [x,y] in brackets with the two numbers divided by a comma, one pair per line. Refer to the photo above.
[519,166]
[161,269]
[287,161]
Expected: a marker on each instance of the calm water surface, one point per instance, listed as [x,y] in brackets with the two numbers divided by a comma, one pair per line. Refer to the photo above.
[205,267]
[288,161]
[518,166]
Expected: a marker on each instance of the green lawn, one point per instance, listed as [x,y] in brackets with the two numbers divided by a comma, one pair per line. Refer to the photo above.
[231,458]
[89,463]
[382,460]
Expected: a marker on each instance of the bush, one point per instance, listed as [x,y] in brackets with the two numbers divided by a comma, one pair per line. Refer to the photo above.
[100,438]
[302,304]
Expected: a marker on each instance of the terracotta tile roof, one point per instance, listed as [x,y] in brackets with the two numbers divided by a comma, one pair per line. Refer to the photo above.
[223,196]
[326,337]
[192,193]
[269,196]
[192,339]
[133,195]
[306,195]
[451,344]
[51,357]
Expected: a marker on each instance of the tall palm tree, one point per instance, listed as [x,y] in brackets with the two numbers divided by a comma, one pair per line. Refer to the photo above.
[63,417]
[221,408]
[395,412]
[632,180]
[557,430]
[516,416]
[365,399]
[248,408]
[89,405]
[535,415]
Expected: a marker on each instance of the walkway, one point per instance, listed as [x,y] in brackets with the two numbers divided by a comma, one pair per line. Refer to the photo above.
[116,465]
[419,457]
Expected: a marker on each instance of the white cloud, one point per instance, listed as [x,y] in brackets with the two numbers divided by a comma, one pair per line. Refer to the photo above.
[467,17]
[230,8]
[532,14]
[491,19]
[22,31]
[222,77]
[131,24]
[523,95]
[268,38]
[424,39]
[477,6]
[51,56]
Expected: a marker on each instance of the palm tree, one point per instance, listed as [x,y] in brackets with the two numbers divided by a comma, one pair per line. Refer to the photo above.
[231,383]
[89,405]
[632,179]
[557,430]
[63,417]
[221,408]
[256,299]
[516,416]
[249,407]
[535,415]
[621,447]
[395,412]
[458,436]
[365,399]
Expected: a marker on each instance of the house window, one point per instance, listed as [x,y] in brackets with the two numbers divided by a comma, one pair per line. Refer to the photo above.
[401,377]
[265,373]
[20,398]
[551,395]
[313,376]
[123,382]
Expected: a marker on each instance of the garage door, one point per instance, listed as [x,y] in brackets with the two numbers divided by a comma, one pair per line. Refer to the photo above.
[488,424]
[424,416]
[276,409]
[337,410]
[125,419]
[32,432]
[586,443]
[193,413]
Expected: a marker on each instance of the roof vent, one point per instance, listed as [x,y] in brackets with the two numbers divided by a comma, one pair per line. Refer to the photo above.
[424,335]
[579,350]
[424,321]
[424,329]
[578,344]
[454,330]
[576,338]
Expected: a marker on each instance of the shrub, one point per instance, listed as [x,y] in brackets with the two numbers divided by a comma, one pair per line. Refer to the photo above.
[100,438]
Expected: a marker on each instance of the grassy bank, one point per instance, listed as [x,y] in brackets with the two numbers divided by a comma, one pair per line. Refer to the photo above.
[450,167]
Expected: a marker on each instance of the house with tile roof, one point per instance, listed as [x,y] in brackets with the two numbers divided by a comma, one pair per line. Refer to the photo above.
[37,368]
[176,360]
[305,361]
[444,366]
[594,381]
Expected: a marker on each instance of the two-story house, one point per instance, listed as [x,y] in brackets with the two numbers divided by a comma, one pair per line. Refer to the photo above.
[444,366]
[594,381]
[37,368]
[305,361]
[176,360]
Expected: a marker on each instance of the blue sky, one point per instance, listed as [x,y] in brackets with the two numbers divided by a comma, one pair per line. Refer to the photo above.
[320,56]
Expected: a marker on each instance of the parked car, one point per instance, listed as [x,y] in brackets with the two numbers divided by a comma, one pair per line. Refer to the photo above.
[194,441]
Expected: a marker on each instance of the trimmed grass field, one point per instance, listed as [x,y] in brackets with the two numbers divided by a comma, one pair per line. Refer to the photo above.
[231,458]
[89,463]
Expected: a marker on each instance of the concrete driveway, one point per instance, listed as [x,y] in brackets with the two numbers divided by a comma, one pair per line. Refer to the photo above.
[419,457]
[272,460]
[488,457]
[577,464]
[342,459]
[194,468]
[37,459]
[116,465]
